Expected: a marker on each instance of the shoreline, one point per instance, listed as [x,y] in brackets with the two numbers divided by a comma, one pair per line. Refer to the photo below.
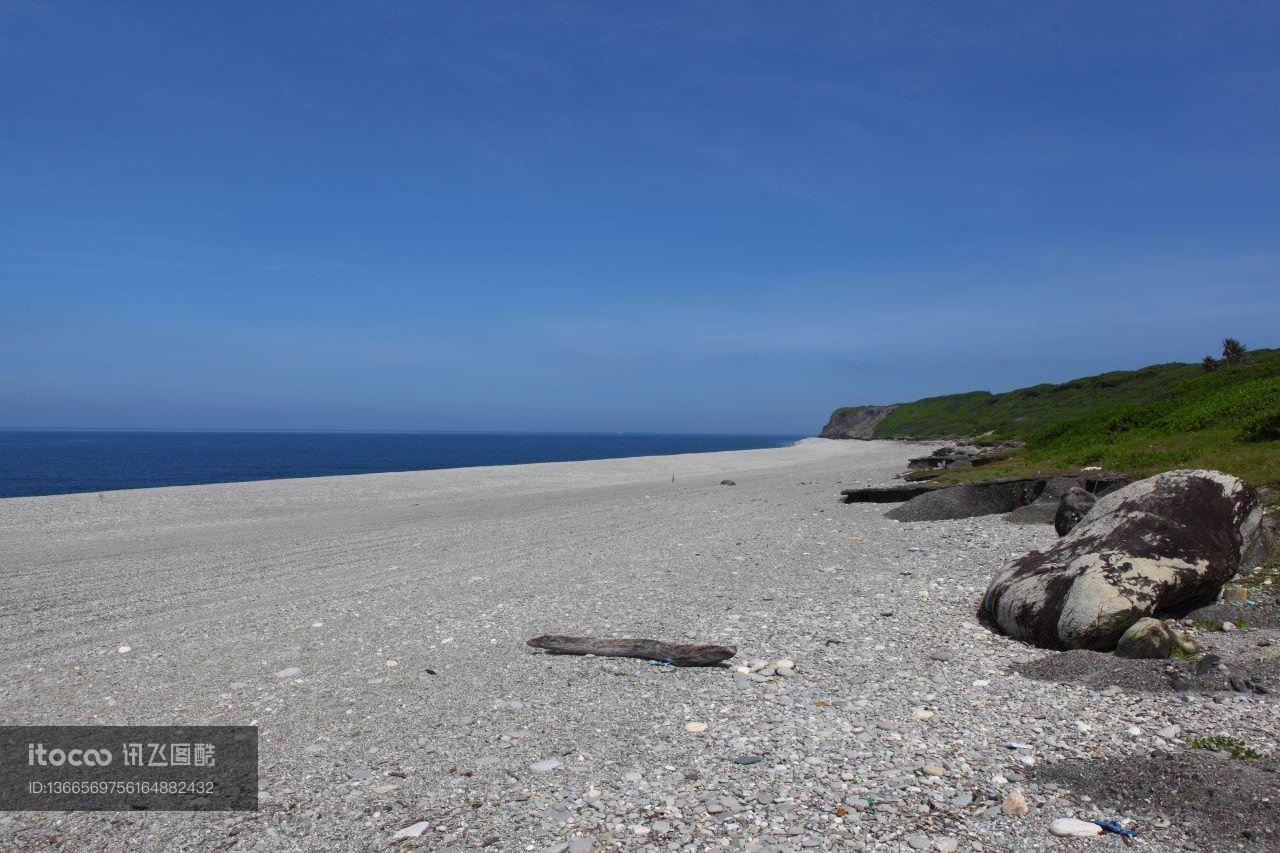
[273,462]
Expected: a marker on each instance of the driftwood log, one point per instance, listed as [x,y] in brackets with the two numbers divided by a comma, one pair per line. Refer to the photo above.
[626,647]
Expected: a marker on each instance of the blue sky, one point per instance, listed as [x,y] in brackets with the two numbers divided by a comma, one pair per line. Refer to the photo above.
[592,216]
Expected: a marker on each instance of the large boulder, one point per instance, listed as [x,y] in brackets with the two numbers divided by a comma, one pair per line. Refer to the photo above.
[1161,545]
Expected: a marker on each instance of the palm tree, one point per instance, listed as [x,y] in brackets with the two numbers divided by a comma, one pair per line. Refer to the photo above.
[1233,351]
[1209,364]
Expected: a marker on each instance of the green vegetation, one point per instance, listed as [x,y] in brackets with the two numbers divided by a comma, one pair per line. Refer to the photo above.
[1209,624]
[1179,654]
[1219,743]
[1016,412]
[1139,422]
[1233,352]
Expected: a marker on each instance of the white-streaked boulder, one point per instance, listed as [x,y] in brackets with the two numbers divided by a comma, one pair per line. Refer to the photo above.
[1166,543]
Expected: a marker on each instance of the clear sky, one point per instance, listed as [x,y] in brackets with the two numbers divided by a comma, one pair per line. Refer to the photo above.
[715,216]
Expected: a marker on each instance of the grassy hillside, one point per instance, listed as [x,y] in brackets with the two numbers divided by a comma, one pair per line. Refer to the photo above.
[1143,421]
[1228,419]
[1016,412]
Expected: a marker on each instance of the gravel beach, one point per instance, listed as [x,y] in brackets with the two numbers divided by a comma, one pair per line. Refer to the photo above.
[374,628]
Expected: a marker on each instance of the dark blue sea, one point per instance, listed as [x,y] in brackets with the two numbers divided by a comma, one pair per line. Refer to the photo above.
[62,462]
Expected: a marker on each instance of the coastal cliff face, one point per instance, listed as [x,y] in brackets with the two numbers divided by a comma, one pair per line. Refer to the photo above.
[855,421]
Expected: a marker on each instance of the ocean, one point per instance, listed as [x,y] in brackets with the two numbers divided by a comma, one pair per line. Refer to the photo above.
[63,462]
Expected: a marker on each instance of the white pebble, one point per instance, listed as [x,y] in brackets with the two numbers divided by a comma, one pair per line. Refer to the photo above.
[545,766]
[412,831]
[1070,827]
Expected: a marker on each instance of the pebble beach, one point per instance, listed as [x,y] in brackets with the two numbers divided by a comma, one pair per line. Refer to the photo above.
[373,627]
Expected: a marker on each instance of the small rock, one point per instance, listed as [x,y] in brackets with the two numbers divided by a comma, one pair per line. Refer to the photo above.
[1154,638]
[581,845]
[695,728]
[728,483]
[934,770]
[1170,732]
[545,766]
[919,841]
[412,831]
[1070,827]
[922,714]
[124,650]
[1015,804]
[290,672]
[747,758]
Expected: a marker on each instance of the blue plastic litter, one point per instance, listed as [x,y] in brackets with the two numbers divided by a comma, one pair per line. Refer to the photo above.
[660,662]
[1113,826]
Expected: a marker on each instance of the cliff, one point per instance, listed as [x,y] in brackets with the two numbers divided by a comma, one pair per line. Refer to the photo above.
[855,421]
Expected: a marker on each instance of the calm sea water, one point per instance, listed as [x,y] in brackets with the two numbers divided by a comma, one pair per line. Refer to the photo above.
[54,463]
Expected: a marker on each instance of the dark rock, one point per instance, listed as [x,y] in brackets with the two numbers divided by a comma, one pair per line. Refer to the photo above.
[1165,544]
[1043,509]
[1207,663]
[968,500]
[855,421]
[728,483]
[928,463]
[1075,504]
[1244,684]
[886,494]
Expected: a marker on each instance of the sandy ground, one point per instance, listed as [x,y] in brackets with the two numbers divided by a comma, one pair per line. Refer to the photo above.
[215,589]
